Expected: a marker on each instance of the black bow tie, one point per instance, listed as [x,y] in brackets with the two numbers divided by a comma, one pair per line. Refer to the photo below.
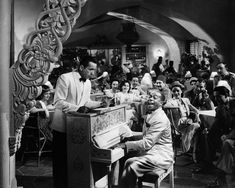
[134,88]
[82,79]
[147,124]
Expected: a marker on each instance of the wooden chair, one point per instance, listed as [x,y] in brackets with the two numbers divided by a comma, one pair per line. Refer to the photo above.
[173,113]
[33,138]
[157,176]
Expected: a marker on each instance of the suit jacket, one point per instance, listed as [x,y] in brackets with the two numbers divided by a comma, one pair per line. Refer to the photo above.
[189,107]
[190,94]
[231,122]
[70,95]
[156,144]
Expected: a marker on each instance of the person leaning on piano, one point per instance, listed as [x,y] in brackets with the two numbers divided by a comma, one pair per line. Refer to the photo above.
[154,150]
[72,93]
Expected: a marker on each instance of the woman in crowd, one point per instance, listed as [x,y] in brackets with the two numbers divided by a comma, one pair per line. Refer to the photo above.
[221,137]
[187,124]
[42,107]
[114,89]
[126,97]
[111,93]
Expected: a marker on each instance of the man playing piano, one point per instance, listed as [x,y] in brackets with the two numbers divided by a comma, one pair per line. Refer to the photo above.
[154,150]
[72,94]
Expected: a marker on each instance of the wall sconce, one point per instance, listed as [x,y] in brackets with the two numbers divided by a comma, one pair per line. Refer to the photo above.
[158,52]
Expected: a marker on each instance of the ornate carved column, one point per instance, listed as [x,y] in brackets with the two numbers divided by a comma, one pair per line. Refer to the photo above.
[35,62]
[5,25]
[40,56]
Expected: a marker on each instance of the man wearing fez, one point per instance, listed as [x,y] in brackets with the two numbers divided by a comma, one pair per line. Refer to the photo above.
[163,88]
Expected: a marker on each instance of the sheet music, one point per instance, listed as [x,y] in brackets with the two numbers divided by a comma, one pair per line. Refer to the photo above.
[207,112]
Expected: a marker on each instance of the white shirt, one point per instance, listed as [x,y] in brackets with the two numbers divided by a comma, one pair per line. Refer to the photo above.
[70,95]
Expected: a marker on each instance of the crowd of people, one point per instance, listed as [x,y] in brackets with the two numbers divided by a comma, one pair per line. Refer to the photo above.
[191,93]
[156,89]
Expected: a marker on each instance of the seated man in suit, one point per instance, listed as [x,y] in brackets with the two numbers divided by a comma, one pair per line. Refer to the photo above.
[189,121]
[221,137]
[154,150]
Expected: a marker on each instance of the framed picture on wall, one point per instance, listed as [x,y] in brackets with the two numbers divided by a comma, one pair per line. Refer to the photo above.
[114,56]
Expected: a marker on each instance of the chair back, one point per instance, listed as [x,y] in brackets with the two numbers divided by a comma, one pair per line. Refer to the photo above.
[173,114]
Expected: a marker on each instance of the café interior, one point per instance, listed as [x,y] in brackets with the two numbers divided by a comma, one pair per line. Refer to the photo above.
[134,42]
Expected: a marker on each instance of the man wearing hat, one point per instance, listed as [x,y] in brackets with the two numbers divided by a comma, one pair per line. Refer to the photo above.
[153,75]
[227,156]
[162,87]
[224,74]
[224,121]
[198,95]
[221,135]
[186,83]
[187,125]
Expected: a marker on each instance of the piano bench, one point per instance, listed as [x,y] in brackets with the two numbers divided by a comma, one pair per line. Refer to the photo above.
[157,176]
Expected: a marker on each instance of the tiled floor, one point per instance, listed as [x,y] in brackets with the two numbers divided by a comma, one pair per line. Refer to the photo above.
[30,175]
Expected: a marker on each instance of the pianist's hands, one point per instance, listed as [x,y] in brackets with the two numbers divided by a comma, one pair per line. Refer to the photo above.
[104,103]
[83,109]
[121,145]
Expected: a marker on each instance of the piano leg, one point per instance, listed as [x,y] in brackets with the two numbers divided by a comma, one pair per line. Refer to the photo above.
[109,173]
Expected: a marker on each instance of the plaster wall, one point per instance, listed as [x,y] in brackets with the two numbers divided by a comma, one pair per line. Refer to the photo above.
[215,17]
[25,15]
[231,36]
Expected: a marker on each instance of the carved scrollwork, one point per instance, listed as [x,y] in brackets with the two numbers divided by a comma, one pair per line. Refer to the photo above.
[40,56]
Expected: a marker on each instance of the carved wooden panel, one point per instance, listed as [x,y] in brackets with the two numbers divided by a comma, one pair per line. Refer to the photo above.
[40,55]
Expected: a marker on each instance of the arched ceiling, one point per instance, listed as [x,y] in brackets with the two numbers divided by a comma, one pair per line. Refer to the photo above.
[107,25]
[177,18]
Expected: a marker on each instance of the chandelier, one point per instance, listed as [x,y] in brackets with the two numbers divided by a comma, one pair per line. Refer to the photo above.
[128,35]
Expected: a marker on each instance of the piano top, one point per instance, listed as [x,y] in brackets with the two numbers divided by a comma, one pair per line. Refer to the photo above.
[97,111]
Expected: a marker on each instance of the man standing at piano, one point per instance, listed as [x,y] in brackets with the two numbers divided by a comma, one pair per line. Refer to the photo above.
[154,150]
[72,94]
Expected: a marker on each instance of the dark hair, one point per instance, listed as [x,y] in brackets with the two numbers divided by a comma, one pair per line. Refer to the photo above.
[171,63]
[201,80]
[222,91]
[75,63]
[123,83]
[114,80]
[45,89]
[85,61]
[134,76]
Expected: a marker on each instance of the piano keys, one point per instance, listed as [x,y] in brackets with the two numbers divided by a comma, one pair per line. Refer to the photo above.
[91,138]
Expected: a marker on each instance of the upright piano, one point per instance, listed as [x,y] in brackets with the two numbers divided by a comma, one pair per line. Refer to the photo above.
[91,138]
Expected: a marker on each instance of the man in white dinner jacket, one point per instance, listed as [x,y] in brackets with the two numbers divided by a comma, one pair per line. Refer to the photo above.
[72,93]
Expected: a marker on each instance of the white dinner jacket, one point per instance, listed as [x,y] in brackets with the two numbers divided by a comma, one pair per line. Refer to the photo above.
[70,94]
